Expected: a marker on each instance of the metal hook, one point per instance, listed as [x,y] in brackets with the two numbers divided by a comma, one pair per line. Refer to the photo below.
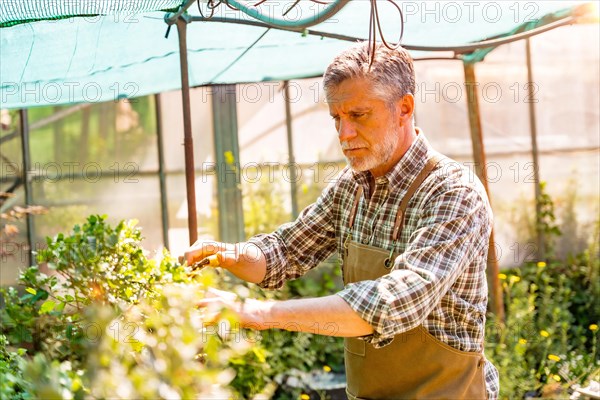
[387,263]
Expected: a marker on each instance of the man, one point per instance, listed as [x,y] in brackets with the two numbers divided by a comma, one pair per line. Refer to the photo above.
[412,229]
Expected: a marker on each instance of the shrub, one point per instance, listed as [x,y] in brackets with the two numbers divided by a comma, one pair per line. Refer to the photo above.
[549,339]
[106,321]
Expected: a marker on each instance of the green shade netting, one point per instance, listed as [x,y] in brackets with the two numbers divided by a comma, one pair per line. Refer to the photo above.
[124,53]
[18,12]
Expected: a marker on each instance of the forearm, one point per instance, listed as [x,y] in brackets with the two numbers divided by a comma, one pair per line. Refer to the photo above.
[329,315]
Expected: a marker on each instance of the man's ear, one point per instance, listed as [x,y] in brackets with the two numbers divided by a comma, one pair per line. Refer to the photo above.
[405,108]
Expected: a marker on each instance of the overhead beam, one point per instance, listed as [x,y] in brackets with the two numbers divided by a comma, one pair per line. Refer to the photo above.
[460,49]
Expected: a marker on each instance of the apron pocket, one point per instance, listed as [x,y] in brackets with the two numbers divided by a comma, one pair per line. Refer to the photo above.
[355,346]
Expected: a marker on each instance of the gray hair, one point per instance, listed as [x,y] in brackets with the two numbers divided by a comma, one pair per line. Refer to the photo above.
[391,72]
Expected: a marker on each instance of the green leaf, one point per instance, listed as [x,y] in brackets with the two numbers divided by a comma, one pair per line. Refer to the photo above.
[47,306]
[41,295]
[31,290]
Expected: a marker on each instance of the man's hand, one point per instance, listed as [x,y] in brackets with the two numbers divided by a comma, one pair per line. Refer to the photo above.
[329,315]
[252,313]
[203,248]
[244,260]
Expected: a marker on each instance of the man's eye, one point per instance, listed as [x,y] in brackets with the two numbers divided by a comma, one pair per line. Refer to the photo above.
[357,115]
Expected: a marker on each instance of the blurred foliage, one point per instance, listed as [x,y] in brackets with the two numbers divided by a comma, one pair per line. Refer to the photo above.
[97,264]
[276,353]
[159,348]
[280,352]
[12,384]
[107,133]
[9,219]
[81,154]
[12,220]
[549,339]
[106,321]
[99,318]
[263,204]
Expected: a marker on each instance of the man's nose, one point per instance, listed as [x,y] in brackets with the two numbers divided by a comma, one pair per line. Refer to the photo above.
[346,130]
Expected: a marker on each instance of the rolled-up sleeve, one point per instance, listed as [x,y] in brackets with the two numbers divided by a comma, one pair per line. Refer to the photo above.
[296,247]
[452,231]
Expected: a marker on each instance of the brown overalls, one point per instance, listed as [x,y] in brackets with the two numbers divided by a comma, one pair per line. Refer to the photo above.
[415,365]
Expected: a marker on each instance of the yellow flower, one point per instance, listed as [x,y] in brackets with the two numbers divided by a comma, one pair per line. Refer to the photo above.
[502,276]
[541,264]
[553,357]
[514,278]
[556,378]
[522,341]
[229,158]
[304,396]
[593,327]
[326,368]
[544,333]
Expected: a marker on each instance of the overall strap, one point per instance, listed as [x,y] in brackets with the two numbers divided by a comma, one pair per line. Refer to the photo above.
[359,193]
[432,162]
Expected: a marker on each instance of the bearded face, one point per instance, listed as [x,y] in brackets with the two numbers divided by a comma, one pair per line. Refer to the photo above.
[367,127]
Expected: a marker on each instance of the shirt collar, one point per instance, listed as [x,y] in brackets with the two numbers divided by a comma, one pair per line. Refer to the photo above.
[403,173]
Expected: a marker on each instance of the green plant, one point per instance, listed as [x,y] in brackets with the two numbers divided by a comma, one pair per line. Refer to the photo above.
[549,339]
[263,206]
[12,384]
[279,352]
[276,353]
[160,348]
[106,321]
[546,222]
[96,263]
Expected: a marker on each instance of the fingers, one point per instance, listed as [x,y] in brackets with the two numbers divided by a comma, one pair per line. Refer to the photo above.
[214,302]
[226,296]
[200,250]
[212,309]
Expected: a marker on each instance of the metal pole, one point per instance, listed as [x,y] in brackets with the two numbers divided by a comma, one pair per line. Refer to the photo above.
[541,250]
[227,156]
[292,159]
[187,132]
[464,49]
[164,210]
[496,301]
[27,182]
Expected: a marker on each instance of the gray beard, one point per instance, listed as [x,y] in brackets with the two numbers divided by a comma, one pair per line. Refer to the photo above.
[381,153]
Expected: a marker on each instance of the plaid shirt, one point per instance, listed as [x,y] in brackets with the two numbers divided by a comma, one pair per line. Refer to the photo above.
[438,280]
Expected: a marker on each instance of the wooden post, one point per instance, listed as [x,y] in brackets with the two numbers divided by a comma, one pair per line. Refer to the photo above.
[188,143]
[162,180]
[227,156]
[541,247]
[496,301]
[26,154]
[292,159]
